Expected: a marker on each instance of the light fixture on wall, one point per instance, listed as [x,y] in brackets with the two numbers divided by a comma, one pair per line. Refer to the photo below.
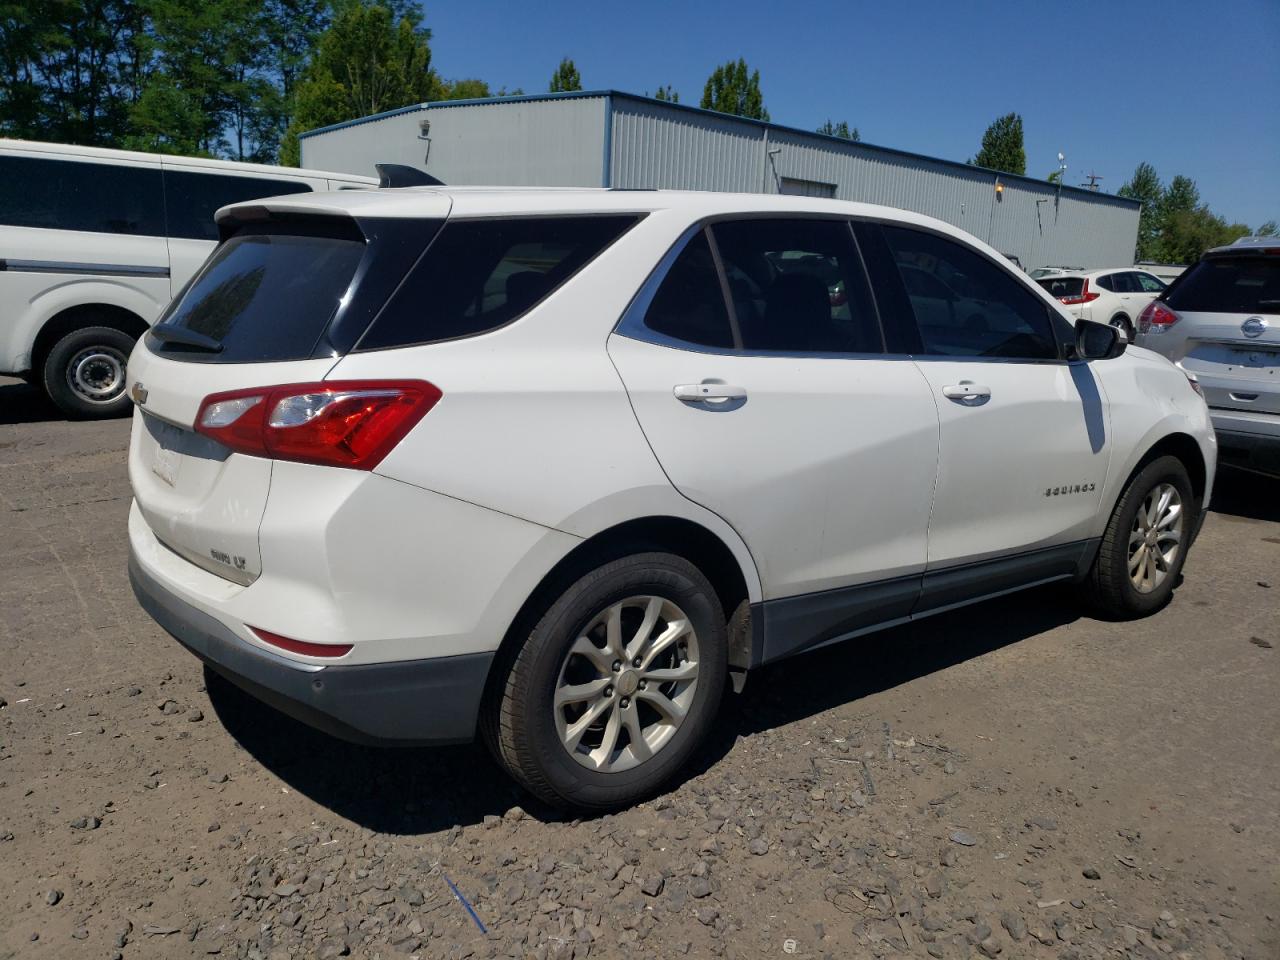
[424,134]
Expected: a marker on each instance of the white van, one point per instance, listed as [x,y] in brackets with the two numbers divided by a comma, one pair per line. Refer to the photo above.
[94,243]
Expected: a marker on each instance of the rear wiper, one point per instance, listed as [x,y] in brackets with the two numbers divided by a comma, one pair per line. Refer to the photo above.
[188,338]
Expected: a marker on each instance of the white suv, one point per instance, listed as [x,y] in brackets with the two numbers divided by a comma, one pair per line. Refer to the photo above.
[1116,296]
[95,242]
[554,465]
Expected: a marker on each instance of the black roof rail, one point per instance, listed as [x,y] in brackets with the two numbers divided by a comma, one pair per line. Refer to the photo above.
[400,175]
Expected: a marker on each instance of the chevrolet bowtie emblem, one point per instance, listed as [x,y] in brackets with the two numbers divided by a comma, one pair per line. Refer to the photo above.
[139,394]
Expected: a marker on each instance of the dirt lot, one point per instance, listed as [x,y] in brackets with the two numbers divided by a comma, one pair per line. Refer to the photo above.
[1013,779]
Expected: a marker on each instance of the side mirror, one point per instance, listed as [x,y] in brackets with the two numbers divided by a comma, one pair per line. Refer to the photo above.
[1098,341]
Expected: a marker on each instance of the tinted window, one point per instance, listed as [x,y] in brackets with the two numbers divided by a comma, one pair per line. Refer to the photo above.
[972,306]
[689,305]
[798,286]
[265,296]
[480,274]
[1127,283]
[71,195]
[1229,285]
[1108,282]
[1063,286]
[193,198]
[1148,283]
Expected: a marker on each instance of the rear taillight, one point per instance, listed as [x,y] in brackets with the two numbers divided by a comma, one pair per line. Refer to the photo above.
[345,423]
[302,646]
[1084,296]
[1156,318]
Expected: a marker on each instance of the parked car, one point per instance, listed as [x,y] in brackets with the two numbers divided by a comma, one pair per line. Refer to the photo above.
[94,243]
[1114,296]
[555,465]
[1221,322]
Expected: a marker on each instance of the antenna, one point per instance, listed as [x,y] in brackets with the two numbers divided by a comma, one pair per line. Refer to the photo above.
[1093,179]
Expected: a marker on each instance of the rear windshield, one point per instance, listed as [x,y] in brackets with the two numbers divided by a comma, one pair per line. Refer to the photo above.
[265,297]
[1062,286]
[1229,285]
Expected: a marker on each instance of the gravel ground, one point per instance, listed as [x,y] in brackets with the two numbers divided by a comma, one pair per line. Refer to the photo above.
[1012,779]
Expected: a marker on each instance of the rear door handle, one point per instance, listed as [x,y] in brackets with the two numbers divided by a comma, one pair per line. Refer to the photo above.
[704,392]
[967,393]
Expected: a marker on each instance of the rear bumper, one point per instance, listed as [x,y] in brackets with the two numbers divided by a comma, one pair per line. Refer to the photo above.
[430,701]
[1247,439]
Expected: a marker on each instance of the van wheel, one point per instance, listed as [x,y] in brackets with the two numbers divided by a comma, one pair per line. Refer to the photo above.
[616,685]
[85,375]
[1145,543]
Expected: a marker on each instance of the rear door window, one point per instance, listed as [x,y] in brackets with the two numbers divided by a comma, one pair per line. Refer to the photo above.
[967,305]
[1127,283]
[1229,285]
[689,305]
[265,296]
[479,275]
[798,286]
[75,195]
[192,199]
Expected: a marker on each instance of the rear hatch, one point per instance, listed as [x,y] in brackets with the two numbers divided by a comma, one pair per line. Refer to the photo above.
[1228,309]
[284,296]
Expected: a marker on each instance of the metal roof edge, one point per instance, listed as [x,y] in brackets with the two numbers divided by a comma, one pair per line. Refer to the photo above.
[616,95]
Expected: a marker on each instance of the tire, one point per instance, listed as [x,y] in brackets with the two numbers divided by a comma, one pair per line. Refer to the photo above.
[85,373]
[1122,322]
[1109,587]
[557,751]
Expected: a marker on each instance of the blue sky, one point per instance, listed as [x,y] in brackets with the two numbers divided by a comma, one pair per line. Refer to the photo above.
[1192,87]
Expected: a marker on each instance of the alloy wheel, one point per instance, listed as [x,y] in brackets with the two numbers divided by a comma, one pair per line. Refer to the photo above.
[1155,538]
[627,684]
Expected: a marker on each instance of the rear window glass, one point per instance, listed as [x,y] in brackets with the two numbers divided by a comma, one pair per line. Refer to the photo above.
[73,195]
[265,297]
[191,199]
[1229,285]
[1062,286]
[481,274]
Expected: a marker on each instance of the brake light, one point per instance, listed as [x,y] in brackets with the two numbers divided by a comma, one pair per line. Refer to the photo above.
[1156,318]
[1084,296]
[345,423]
[302,646]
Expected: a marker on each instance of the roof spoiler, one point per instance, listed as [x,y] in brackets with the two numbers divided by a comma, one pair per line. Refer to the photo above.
[400,175]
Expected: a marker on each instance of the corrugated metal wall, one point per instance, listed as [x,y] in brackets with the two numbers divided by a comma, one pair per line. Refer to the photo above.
[563,140]
[655,145]
[551,143]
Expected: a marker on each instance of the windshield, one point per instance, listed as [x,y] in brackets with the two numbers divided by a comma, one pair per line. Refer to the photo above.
[1062,286]
[1249,284]
[263,297]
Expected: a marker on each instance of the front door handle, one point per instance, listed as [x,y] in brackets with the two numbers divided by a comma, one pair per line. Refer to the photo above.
[708,392]
[967,393]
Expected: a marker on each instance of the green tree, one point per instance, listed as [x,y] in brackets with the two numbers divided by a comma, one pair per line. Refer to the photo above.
[730,89]
[566,77]
[465,89]
[1002,147]
[1268,229]
[1182,196]
[668,94]
[1054,176]
[841,129]
[1145,186]
[367,61]
[69,70]
[1189,233]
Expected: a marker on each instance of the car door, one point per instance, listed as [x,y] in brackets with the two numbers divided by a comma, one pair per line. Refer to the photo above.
[1129,293]
[765,392]
[1149,288]
[1023,446]
[193,196]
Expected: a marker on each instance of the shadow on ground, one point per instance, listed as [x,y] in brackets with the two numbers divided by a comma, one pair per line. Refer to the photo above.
[421,790]
[22,403]
[1245,494]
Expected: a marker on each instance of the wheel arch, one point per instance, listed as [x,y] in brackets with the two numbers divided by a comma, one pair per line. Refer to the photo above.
[667,534]
[79,317]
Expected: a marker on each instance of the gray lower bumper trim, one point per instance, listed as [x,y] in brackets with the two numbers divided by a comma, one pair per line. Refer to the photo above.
[431,701]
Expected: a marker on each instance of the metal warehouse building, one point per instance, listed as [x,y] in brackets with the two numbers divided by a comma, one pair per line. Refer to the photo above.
[612,139]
